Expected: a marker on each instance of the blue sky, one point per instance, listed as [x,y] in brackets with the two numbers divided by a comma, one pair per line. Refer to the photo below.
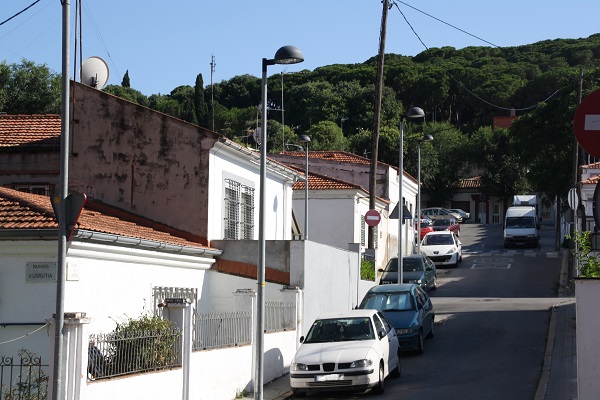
[165,44]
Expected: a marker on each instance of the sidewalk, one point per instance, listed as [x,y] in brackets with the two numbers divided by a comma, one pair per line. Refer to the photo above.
[559,372]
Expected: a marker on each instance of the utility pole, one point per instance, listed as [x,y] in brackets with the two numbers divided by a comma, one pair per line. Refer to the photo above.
[375,135]
[212,90]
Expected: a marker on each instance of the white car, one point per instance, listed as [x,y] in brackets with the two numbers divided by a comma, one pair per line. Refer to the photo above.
[351,350]
[442,247]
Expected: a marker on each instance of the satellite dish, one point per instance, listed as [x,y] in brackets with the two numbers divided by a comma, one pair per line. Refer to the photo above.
[256,135]
[94,72]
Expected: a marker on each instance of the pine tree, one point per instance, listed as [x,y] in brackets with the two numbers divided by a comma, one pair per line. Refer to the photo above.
[125,82]
[199,103]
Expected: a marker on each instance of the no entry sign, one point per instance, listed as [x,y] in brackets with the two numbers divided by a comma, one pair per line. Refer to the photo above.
[586,124]
[372,217]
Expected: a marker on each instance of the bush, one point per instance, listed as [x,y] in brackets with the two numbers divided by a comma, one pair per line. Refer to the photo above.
[588,265]
[367,270]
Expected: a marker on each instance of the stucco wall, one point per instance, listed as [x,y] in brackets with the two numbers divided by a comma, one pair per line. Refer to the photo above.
[140,160]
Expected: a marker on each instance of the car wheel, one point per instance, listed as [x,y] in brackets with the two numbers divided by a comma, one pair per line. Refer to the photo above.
[380,388]
[398,370]
[420,343]
[297,393]
[431,333]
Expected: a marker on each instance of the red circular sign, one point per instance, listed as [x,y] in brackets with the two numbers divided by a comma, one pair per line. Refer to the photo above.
[372,217]
[586,124]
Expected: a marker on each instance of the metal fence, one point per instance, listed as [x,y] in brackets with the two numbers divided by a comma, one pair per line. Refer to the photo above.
[116,354]
[214,330]
[25,380]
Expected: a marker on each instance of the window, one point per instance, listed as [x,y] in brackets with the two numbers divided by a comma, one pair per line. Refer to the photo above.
[364,228]
[239,211]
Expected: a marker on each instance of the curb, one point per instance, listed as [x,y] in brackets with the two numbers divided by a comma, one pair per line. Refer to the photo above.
[540,393]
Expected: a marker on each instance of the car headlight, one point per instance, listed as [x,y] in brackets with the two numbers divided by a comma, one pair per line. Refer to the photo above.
[508,235]
[403,331]
[299,367]
[451,251]
[365,362]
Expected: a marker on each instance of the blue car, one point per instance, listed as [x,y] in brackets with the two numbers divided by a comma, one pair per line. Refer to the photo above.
[408,308]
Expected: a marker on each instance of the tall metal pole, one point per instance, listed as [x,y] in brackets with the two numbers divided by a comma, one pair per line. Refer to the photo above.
[260,274]
[419,198]
[400,203]
[59,319]
[282,117]
[306,195]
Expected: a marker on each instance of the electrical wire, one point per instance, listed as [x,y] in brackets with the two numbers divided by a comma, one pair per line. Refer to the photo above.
[394,3]
[25,335]
[20,12]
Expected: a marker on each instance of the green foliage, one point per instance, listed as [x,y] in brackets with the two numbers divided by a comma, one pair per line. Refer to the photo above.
[125,82]
[326,135]
[162,351]
[27,88]
[367,270]
[31,382]
[588,263]
[127,93]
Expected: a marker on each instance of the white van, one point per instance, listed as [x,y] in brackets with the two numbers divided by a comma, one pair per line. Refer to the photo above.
[521,227]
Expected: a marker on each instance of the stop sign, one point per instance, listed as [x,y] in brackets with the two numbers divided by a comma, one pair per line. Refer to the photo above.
[586,124]
[372,217]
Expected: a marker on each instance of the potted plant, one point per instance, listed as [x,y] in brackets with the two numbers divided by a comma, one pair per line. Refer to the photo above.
[587,297]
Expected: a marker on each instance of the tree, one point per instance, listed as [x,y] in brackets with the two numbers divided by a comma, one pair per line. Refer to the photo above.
[125,82]
[28,88]
[200,105]
[128,94]
[326,135]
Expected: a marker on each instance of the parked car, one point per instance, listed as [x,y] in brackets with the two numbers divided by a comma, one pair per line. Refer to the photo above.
[426,227]
[346,351]
[446,224]
[408,308]
[442,247]
[416,268]
[440,212]
[465,215]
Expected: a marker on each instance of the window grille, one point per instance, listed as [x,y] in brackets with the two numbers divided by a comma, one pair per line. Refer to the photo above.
[363,241]
[239,211]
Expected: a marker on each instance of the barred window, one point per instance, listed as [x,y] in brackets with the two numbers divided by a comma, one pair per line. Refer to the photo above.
[364,233]
[239,211]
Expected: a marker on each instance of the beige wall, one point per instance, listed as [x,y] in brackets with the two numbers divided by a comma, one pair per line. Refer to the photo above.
[140,160]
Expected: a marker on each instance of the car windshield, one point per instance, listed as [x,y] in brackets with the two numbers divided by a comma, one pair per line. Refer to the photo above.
[340,330]
[441,222]
[434,240]
[520,222]
[409,264]
[392,301]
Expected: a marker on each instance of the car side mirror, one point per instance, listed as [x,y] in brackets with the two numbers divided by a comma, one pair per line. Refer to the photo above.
[380,270]
[302,339]
[381,334]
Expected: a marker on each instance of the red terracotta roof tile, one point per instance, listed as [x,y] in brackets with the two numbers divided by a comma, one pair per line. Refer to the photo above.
[470,183]
[42,131]
[340,156]
[19,210]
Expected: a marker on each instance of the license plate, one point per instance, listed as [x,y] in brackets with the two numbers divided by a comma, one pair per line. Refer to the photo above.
[330,377]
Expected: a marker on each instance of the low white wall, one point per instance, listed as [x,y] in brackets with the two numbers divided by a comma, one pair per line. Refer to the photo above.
[587,292]
[214,374]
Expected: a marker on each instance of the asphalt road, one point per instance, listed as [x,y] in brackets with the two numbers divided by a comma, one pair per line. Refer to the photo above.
[492,316]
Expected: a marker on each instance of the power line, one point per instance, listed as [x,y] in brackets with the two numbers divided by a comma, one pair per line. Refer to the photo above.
[449,74]
[20,12]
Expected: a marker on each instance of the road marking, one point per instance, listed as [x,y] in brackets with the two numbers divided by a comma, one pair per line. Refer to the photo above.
[497,263]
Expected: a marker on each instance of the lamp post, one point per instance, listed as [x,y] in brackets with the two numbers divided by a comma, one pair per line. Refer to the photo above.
[426,138]
[285,55]
[414,112]
[303,138]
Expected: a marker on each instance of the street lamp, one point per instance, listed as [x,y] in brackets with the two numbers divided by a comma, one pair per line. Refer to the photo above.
[303,138]
[285,55]
[426,138]
[414,112]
